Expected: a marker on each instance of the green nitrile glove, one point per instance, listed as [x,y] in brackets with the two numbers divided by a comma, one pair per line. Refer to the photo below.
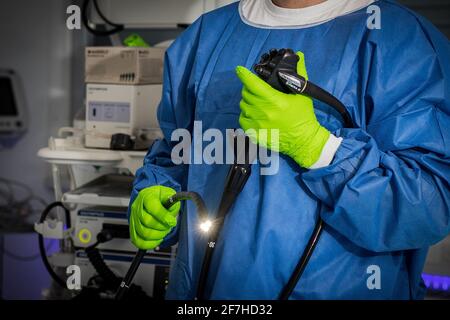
[262,107]
[150,222]
[135,40]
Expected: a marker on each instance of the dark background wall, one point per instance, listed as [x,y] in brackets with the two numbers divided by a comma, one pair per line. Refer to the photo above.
[437,11]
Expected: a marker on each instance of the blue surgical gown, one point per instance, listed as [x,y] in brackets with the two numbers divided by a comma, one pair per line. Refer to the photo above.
[384,198]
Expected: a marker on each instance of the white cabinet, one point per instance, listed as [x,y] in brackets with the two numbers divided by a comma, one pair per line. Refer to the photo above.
[143,13]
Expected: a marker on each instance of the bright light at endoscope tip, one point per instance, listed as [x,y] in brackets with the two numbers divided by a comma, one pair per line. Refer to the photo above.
[205,226]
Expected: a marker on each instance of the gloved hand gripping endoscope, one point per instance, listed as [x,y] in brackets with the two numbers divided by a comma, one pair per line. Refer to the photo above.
[179,196]
[279,69]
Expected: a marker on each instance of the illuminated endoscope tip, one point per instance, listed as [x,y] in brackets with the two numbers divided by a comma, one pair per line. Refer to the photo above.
[205,226]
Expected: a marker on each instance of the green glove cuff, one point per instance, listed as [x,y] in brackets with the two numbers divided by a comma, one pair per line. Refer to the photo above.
[307,154]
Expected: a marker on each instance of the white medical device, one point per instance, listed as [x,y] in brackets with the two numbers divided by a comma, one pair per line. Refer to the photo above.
[126,109]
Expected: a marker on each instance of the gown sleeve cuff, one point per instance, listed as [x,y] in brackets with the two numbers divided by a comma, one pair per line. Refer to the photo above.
[328,152]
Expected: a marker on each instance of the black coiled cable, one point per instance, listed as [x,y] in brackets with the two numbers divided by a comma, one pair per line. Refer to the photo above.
[42,249]
[85,18]
[111,281]
[96,259]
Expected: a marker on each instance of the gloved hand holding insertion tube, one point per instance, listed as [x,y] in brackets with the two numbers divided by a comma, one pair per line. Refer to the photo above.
[300,135]
[150,221]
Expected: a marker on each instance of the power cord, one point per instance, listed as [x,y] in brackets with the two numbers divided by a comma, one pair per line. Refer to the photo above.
[42,248]
[85,18]
[96,259]
[14,209]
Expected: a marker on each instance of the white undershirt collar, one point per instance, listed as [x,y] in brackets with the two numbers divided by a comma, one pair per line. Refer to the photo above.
[264,13]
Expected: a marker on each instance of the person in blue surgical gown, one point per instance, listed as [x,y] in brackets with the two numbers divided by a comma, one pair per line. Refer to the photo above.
[384,193]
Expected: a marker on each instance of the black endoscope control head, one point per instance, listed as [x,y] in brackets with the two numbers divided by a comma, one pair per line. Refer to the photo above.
[279,69]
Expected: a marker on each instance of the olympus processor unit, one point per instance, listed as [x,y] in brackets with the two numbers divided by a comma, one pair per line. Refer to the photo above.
[92,220]
[152,278]
[121,109]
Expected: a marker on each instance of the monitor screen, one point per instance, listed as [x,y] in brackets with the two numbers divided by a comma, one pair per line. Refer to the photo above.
[7,102]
